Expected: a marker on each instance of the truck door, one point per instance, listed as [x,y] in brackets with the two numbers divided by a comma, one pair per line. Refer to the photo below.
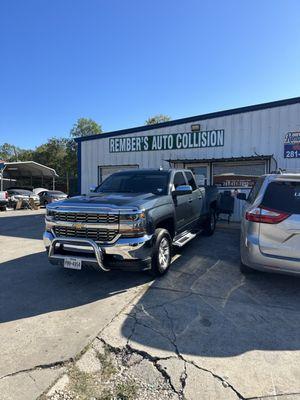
[183,204]
[197,199]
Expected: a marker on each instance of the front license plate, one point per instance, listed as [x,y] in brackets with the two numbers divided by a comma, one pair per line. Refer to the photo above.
[72,263]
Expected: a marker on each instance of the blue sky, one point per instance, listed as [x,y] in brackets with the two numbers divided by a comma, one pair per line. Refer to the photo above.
[119,61]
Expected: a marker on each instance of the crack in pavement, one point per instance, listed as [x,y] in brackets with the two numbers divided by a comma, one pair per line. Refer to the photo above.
[184,376]
[224,382]
[203,295]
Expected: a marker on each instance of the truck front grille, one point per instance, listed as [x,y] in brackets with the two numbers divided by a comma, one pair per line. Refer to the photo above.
[84,217]
[98,235]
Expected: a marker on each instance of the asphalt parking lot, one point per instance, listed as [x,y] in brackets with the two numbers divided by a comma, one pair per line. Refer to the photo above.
[230,336]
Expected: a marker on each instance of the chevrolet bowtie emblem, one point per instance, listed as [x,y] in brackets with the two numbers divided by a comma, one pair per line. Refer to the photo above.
[78,226]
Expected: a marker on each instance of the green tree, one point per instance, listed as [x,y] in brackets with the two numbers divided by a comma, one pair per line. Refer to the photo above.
[9,152]
[85,127]
[156,119]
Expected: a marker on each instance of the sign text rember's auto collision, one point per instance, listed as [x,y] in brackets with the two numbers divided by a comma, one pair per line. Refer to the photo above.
[190,140]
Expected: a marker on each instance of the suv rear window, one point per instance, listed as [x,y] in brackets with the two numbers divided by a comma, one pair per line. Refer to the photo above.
[283,196]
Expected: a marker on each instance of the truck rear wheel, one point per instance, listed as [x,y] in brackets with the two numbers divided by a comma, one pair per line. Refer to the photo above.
[162,252]
[210,223]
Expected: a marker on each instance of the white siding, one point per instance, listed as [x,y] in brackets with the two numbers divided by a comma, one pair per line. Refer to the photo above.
[246,134]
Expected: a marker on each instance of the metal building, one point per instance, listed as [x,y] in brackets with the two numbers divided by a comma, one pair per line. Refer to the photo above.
[228,148]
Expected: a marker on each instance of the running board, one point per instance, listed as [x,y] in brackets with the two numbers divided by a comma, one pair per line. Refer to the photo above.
[184,238]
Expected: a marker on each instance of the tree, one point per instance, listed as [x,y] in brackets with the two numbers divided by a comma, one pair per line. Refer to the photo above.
[85,127]
[156,119]
[9,152]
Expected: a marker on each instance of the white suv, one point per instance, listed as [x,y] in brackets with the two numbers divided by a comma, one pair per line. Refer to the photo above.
[270,229]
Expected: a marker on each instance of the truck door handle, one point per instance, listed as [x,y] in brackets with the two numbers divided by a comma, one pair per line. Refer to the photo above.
[190,200]
[199,197]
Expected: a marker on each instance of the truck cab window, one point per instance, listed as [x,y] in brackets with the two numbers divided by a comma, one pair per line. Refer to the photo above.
[191,180]
[179,179]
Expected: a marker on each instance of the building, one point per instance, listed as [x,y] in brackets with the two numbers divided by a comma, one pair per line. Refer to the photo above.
[228,148]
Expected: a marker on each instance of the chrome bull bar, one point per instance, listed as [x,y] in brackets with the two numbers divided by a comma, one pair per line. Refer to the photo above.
[97,250]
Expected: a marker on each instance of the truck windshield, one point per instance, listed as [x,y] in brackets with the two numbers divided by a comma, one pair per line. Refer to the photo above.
[155,182]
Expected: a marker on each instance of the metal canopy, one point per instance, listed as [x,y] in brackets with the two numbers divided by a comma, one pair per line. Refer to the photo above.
[26,169]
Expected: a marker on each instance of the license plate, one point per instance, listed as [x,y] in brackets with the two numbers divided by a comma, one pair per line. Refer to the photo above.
[72,263]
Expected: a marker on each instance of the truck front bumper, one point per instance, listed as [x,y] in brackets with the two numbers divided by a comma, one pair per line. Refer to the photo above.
[126,253]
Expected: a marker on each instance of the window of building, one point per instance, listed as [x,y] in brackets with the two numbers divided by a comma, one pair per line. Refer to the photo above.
[238,174]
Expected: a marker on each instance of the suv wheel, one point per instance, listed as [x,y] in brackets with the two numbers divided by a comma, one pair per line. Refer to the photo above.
[162,252]
[210,224]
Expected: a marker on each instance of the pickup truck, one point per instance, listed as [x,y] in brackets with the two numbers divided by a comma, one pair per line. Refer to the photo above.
[3,200]
[130,221]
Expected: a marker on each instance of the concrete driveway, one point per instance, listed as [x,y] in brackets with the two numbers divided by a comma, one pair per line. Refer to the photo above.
[215,333]
[48,314]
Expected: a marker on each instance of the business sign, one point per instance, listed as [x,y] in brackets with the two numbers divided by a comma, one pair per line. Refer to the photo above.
[292,145]
[190,140]
[235,181]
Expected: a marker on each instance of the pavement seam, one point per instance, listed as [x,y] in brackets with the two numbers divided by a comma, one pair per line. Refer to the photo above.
[273,396]
[56,364]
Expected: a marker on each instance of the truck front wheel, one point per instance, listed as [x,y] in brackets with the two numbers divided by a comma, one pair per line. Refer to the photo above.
[162,252]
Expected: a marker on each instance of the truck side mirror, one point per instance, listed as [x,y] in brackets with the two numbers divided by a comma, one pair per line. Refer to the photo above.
[182,189]
[241,196]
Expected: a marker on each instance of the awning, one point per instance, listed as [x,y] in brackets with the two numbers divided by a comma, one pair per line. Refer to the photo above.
[228,159]
[25,169]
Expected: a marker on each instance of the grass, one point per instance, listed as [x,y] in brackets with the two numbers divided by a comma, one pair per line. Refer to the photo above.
[107,367]
[126,391]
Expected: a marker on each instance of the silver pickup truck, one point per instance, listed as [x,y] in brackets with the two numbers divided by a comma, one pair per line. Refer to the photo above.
[131,221]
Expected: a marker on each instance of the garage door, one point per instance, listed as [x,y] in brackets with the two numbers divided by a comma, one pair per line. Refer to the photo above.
[104,172]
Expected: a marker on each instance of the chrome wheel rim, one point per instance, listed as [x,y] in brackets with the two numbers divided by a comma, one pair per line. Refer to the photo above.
[164,254]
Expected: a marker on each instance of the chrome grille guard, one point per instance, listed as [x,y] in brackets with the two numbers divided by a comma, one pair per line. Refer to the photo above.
[97,250]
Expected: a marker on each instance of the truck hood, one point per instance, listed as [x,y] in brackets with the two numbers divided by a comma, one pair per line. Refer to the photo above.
[132,201]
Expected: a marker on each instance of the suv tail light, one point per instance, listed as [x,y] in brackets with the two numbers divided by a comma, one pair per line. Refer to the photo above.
[266,215]
[6,195]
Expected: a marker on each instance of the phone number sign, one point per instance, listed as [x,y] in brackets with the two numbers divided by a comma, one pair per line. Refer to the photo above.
[292,145]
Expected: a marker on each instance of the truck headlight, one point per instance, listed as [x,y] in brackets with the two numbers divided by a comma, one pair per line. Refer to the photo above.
[49,215]
[133,225]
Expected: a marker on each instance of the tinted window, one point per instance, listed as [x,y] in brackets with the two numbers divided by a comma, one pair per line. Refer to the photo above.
[191,180]
[283,196]
[136,182]
[255,190]
[179,179]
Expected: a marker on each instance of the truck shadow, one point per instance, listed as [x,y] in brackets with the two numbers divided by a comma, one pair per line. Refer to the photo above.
[30,286]
[29,226]
[204,306]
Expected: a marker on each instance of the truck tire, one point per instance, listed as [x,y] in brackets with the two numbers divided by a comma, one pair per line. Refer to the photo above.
[210,223]
[162,252]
